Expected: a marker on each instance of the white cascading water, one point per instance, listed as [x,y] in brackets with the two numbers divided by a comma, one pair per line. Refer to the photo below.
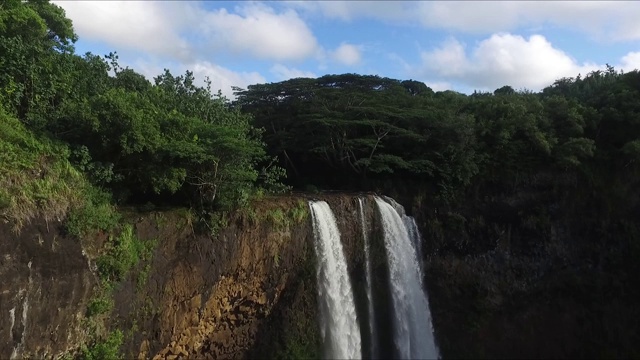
[339,324]
[367,259]
[414,234]
[413,331]
[412,229]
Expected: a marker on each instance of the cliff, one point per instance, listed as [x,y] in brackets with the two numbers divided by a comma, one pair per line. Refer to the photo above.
[247,290]
[47,282]
[531,272]
[502,283]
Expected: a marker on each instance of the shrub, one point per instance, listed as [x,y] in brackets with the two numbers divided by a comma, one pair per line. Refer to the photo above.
[108,349]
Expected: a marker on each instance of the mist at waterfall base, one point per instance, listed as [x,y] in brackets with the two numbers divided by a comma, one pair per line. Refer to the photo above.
[397,321]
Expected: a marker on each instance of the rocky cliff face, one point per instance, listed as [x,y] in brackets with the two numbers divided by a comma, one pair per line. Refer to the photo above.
[526,274]
[46,283]
[247,291]
[503,281]
[205,296]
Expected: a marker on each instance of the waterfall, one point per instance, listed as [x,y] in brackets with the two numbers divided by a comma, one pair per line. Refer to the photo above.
[413,332]
[367,259]
[414,235]
[338,322]
[412,230]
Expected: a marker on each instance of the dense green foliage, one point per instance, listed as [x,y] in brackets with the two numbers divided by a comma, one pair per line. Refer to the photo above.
[529,202]
[81,135]
[36,178]
[365,132]
[170,141]
[107,349]
[342,130]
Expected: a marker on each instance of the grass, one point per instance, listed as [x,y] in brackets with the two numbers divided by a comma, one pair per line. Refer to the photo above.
[122,254]
[36,178]
[280,218]
[300,212]
[107,349]
[101,302]
[96,213]
[217,220]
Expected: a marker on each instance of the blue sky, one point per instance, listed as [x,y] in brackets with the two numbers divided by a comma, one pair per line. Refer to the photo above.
[462,46]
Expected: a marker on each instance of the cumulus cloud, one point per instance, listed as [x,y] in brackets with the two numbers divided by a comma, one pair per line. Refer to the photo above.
[630,62]
[144,25]
[347,54]
[439,85]
[351,10]
[221,77]
[185,36]
[448,60]
[503,59]
[174,28]
[258,30]
[602,19]
[282,73]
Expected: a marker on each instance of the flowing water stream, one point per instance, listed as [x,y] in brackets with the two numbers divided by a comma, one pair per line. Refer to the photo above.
[410,315]
[338,322]
[413,334]
[367,258]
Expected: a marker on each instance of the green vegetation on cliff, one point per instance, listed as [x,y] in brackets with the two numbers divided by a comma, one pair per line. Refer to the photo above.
[80,137]
[36,176]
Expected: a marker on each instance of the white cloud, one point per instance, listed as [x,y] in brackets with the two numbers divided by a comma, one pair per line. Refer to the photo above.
[258,30]
[143,25]
[174,28]
[449,60]
[439,85]
[468,16]
[602,19]
[350,10]
[221,78]
[503,59]
[630,62]
[347,54]
[185,36]
[282,73]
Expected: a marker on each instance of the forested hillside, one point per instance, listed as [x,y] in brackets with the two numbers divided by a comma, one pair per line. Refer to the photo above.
[529,202]
[574,145]
[348,130]
[169,141]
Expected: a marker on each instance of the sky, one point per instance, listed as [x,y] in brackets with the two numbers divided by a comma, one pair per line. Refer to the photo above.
[463,46]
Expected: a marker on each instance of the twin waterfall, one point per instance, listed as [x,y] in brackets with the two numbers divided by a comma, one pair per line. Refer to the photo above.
[338,324]
[407,313]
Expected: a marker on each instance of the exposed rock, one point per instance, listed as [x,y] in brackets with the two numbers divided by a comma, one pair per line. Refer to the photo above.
[46,285]
[246,292]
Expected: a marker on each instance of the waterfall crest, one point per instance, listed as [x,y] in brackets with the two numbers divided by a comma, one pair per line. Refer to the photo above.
[413,334]
[338,322]
[367,258]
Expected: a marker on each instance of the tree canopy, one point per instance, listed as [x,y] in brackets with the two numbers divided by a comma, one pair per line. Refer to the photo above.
[170,140]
